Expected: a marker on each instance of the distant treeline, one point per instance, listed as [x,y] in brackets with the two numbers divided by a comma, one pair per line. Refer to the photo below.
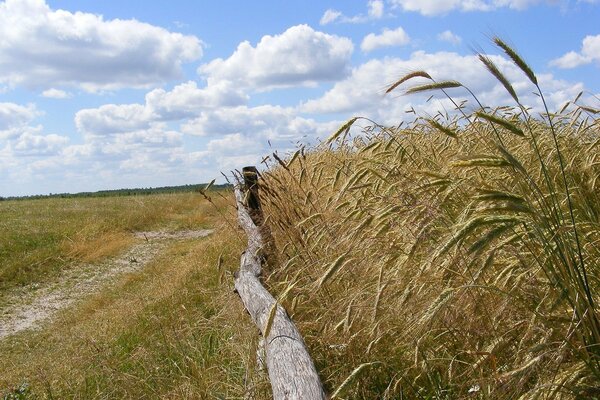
[123,192]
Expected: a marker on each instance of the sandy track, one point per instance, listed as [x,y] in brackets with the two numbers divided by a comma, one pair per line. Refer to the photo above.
[31,307]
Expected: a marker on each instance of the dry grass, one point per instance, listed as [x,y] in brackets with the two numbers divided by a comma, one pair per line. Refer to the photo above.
[453,259]
[39,238]
[171,331]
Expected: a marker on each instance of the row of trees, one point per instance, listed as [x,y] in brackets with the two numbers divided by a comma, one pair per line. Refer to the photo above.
[122,192]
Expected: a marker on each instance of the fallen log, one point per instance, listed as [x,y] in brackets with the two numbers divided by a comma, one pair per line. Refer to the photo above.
[291,370]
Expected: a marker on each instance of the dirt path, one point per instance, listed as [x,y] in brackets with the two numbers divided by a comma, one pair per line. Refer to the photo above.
[32,306]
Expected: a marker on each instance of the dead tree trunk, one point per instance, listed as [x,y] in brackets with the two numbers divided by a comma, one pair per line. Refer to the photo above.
[291,370]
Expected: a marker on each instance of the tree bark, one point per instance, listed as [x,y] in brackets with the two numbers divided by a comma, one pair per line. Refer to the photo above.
[291,370]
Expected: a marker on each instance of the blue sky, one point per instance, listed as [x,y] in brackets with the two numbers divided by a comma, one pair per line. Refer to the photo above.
[103,95]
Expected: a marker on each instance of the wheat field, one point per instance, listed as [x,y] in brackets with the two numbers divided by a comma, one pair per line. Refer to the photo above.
[457,257]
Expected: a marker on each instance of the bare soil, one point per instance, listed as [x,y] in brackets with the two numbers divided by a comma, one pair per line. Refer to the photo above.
[34,305]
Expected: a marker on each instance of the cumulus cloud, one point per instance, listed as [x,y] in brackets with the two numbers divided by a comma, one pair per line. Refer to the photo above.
[112,118]
[184,101]
[362,93]
[123,136]
[15,117]
[31,144]
[298,56]
[449,37]
[21,137]
[102,54]
[262,123]
[142,156]
[590,52]
[240,135]
[56,94]
[436,7]
[129,139]
[330,16]
[187,99]
[375,10]
[387,38]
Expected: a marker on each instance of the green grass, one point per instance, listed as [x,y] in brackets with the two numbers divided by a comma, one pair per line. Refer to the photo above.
[38,238]
[174,330]
[171,331]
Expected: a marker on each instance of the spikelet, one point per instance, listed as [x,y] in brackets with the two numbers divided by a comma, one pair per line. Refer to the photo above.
[442,128]
[343,129]
[481,161]
[473,224]
[590,109]
[433,86]
[502,122]
[358,175]
[343,388]
[512,160]
[294,157]
[209,185]
[489,64]
[516,58]
[488,238]
[415,74]
[496,195]
[280,161]
[333,268]
[437,305]
[270,319]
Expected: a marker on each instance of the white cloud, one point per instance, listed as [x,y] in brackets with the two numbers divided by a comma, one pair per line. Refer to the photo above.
[590,52]
[20,137]
[113,119]
[263,123]
[102,54]
[126,139]
[29,144]
[234,143]
[187,100]
[298,56]
[141,157]
[15,117]
[362,93]
[450,37]
[243,135]
[375,10]
[387,38]
[123,139]
[184,101]
[56,94]
[437,7]
[330,16]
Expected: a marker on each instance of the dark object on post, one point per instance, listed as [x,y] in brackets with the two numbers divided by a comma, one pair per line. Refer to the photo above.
[291,370]
[250,175]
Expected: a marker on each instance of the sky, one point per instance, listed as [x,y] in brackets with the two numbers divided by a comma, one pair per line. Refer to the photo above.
[104,95]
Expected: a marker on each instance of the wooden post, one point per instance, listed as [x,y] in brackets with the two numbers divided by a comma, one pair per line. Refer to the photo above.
[250,175]
[291,370]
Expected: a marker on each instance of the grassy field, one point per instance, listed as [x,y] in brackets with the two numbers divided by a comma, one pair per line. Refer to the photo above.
[39,238]
[175,330]
[456,257]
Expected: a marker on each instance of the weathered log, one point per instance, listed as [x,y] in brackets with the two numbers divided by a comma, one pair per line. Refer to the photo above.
[291,370]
